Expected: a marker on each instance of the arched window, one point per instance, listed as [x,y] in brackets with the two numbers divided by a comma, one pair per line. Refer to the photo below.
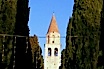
[56,52]
[49,51]
[53,38]
[48,39]
[52,41]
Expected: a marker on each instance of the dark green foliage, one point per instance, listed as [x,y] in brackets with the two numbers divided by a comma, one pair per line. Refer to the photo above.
[14,16]
[7,24]
[23,60]
[82,50]
[101,60]
[37,57]
[62,59]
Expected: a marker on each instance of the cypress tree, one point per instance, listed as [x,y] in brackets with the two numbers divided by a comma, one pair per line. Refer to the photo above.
[7,24]
[62,59]
[101,60]
[23,54]
[14,16]
[82,39]
[37,58]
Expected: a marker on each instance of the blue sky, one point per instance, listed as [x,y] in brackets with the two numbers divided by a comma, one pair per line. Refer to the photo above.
[40,16]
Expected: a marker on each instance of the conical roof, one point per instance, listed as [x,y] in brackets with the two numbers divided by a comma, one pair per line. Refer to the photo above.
[53,25]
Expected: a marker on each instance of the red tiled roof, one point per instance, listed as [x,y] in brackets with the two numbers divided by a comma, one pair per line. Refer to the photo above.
[53,25]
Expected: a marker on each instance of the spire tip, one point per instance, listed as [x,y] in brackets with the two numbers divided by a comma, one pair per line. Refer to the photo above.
[53,13]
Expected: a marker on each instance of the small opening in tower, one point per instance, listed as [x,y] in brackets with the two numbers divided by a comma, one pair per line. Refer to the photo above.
[49,51]
[56,51]
[54,36]
[52,41]
[48,39]
[53,31]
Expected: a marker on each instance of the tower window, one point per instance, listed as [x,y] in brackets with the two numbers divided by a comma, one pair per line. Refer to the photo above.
[48,39]
[49,51]
[52,41]
[53,38]
[56,52]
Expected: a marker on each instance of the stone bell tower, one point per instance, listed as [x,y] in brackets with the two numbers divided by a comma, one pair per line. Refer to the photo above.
[52,57]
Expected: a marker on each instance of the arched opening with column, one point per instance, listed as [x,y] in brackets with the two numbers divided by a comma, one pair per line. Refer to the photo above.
[56,52]
[49,51]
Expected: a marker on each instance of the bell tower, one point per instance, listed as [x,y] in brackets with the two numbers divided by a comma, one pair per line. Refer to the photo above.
[52,57]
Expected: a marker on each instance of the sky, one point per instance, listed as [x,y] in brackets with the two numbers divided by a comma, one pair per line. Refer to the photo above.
[40,16]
